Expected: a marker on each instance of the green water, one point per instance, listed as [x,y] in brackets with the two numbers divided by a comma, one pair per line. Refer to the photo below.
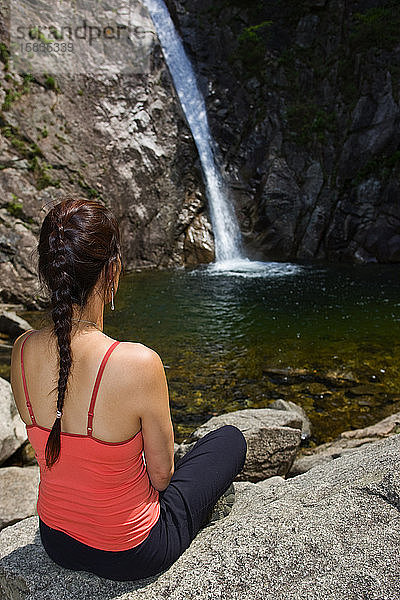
[221,336]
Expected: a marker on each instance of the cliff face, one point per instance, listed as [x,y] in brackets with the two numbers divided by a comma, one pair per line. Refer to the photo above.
[303,100]
[120,138]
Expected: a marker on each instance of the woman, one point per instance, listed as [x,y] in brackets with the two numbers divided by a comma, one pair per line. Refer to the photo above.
[97,415]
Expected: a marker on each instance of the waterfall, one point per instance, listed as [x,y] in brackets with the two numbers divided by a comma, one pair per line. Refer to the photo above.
[225,227]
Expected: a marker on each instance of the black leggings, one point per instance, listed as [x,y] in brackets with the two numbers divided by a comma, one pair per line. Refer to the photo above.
[200,478]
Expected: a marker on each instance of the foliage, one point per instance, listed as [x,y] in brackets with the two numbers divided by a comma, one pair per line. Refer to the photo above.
[91,192]
[381,166]
[41,170]
[50,83]
[251,48]
[309,122]
[36,34]
[57,34]
[15,209]
[31,151]
[26,149]
[9,98]
[18,91]
[4,55]
[377,27]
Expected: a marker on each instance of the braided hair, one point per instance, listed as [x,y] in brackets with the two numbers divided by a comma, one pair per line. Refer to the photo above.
[79,244]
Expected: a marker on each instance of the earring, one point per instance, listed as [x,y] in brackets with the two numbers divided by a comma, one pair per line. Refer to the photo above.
[112,297]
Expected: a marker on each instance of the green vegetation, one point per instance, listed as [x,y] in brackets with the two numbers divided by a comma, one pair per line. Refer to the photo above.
[41,170]
[15,209]
[380,166]
[31,151]
[90,191]
[61,138]
[377,27]
[4,55]
[50,83]
[15,92]
[27,79]
[10,97]
[308,122]
[36,34]
[250,51]
[55,33]
[251,48]
[25,148]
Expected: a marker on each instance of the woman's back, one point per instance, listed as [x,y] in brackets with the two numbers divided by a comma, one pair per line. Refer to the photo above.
[99,491]
[116,417]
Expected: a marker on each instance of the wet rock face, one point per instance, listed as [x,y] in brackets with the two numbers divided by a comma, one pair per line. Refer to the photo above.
[120,138]
[303,101]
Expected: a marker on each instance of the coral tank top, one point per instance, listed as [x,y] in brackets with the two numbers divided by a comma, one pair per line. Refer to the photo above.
[98,492]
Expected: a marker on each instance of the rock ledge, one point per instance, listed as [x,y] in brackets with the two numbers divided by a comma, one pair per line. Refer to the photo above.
[330,534]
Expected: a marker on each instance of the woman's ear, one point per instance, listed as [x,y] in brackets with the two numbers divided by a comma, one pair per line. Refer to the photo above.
[113,272]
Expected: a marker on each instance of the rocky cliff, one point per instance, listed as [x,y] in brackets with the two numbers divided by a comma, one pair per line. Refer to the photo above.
[303,100]
[121,138]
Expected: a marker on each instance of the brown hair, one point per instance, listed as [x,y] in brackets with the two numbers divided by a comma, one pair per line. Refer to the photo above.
[79,243]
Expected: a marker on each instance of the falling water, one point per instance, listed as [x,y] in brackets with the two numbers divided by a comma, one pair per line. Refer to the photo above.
[226,230]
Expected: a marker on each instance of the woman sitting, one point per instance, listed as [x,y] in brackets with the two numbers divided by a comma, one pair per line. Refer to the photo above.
[97,415]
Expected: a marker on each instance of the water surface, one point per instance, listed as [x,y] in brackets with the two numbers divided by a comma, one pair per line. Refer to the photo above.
[325,337]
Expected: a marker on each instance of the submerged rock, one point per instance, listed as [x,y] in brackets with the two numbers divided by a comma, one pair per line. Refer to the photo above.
[329,534]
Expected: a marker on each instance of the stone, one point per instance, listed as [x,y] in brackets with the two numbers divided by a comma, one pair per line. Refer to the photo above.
[12,428]
[199,242]
[12,324]
[306,427]
[273,438]
[19,487]
[306,30]
[346,443]
[271,485]
[182,449]
[330,534]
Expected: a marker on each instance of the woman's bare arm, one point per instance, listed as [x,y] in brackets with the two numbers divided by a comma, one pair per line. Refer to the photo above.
[152,401]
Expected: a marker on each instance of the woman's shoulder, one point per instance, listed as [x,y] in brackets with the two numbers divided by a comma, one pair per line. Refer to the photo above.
[20,340]
[135,376]
[138,353]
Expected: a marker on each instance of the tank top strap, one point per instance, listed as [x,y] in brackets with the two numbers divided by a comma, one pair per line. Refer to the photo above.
[28,402]
[96,387]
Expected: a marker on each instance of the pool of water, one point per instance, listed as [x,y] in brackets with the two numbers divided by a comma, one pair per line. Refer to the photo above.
[323,336]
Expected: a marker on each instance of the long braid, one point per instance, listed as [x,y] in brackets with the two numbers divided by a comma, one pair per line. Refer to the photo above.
[79,249]
[61,300]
